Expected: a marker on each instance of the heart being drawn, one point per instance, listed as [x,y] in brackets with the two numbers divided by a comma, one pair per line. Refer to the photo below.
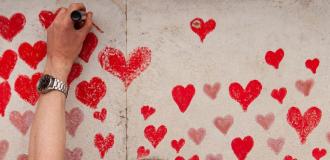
[318,153]
[304,124]
[279,94]
[312,64]
[4,146]
[75,154]
[27,87]
[142,152]
[9,28]
[46,18]
[21,122]
[274,58]
[7,63]
[104,144]
[241,147]
[90,93]
[276,144]
[100,115]
[177,145]
[265,121]
[212,91]
[147,111]
[197,135]
[183,96]
[88,47]
[33,55]
[305,86]
[73,119]
[202,28]
[113,61]
[153,135]
[5,95]
[224,123]
[75,72]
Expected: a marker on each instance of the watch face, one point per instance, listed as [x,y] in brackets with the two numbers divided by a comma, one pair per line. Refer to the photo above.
[44,82]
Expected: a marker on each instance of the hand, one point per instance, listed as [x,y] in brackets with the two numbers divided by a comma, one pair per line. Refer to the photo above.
[64,43]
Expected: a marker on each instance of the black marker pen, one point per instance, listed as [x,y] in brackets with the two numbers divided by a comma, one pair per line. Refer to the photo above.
[78,17]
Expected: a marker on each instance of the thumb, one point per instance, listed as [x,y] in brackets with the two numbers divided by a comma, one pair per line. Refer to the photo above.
[88,23]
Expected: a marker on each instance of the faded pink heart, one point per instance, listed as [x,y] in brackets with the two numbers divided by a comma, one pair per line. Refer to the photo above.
[276,144]
[197,135]
[73,119]
[305,86]
[212,91]
[265,121]
[224,123]
[4,146]
[75,154]
[214,157]
[22,157]
[21,122]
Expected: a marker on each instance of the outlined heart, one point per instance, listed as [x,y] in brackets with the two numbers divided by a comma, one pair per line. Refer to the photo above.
[142,152]
[100,115]
[22,157]
[274,58]
[197,135]
[202,28]
[91,93]
[312,64]
[104,144]
[214,157]
[113,61]
[304,124]
[4,146]
[223,123]
[75,154]
[147,111]
[305,86]
[177,144]
[73,119]
[7,63]
[46,18]
[318,153]
[241,147]
[5,95]
[279,94]
[21,122]
[212,91]
[276,144]
[27,87]
[183,96]
[153,135]
[88,47]
[265,121]
[33,55]
[9,28]
[75,72]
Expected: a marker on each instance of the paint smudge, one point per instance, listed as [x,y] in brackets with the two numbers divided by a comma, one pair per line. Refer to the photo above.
[4,146]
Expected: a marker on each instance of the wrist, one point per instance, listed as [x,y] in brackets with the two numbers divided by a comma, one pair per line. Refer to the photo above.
[58,68]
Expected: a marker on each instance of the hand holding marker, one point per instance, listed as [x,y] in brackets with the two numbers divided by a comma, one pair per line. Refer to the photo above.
[78,17]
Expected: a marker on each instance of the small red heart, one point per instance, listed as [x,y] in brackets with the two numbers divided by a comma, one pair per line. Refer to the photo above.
[212,91]
[88,47]
[319,153]
[241,147]
[177,145]
[304,124]
[73,119]
[75,72]
[288,157]
[279,94]
[5,95]
[27,87]
[223,123]
[11,27]
[305,86]
[274,58]
[183,96]
[155,136]
[103,144]
[276,144]
[179,158]
[46,18]
[21,122]
[197,135]
[198,26]
[33,55]
[22,157]
[142,152]
[7,63]
[214,157]
[90,93]
[194,157]
[265,121]
[100,115]
[312,64]
[147,111]
[247,95]
[4,146]
[75,154]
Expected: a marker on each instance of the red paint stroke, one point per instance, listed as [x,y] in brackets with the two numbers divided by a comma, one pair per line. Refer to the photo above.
[142,152]
[100,115]
[27,87]
[33,55]
[245,96]
[198,26]
[9,28]
[212,91]
[312,64]
[224,123]
[113,61]
[274,58]
[88,47]
[214,157]
[265,121]
[4,146]
[276,144]
[305,86]
[288,157]
[183,96]
[103,144]
[75,154]
[90,93]
[319,153]
[73,119]
[22,157]
[5,95]
[304,124]
[7,63]
[279,94]
[21,122]
[46,18]
[147,111]
[155,136]
[197,135]
[75,72]
[241,147]
[177,144]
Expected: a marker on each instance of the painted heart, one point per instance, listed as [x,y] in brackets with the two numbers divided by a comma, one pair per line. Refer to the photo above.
[75,72]
[194,157]
[197,135]
[305,86]
[312,64]
[33,55]
[21,122]
[274,58]
[142,152]
[241,147]
[279,94]
[304,124]
[147,111]
[155,136]
[22,157]
[7,63]
[100,115]
[214,157]
[276,144]
[202,28]
[177,145]
[179,158]
[27,87]
[88,47]
[46,18]
[73,119]
[75,154]
[9,28]
[245,96]
[103,144]
[183,96]
[288,157]
[265,121]
[212,91]
[318,153]
[4,146]
[5,95]
[224,123]
[113,61]
[90,93]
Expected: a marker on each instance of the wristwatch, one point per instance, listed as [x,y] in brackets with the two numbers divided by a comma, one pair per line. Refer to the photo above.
[49,83]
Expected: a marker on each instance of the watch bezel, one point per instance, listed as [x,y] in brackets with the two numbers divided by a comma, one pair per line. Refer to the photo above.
[43,88]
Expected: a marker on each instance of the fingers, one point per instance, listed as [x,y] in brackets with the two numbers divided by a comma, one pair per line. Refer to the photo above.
[76,6]
[88,23]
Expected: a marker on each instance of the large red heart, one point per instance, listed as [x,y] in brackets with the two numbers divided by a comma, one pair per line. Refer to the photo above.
[75,154]
[147,111]
[100,115]
[198,26]
[75,72]
[312,64]
[212,91]
[265,120]
[223,123]
[304,124]
[88,47]
[279,94]
[73,119]
[90,93]
[4,146]
[183,96]
[305,86]
[177,145]
[274,58]
[46,18]
[319,153]
[9,28]
[197,135]
[27,88]
[113,61]
[7,63]
[241,147]
[247,95]
[276,144]
[142,152]
[5,95]
[104,144]
[33,55]
[21,122]
[155,136]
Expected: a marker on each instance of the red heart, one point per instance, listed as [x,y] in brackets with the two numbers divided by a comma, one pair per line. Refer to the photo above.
[183,96]
[75,154]
[21,122]
[113,61]
[46,18]
[242,147]
[247,95]
[33,55]
[100,115]
[11,27]
[103,144]
[276,144]
[223,123]
[198,26]
[22,157]
[288,157]
[147,111]
[177,145]
[197,135]
[265,121]
[194,157]
[75,72]
[306,123]
[214,157]
[27,88]
[155,136]
[312,64]
[318,153]
[4,146]
[5,95]
[179,158]
[7,63]
[274,58]
[305,86]
[142,152]
[279,94]
[91,93]
[73,119]
[88,47]
[212,91]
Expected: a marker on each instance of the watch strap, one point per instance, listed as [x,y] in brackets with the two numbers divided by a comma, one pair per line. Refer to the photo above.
[59,85]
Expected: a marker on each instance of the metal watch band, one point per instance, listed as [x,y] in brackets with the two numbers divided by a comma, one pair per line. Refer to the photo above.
[59,85]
